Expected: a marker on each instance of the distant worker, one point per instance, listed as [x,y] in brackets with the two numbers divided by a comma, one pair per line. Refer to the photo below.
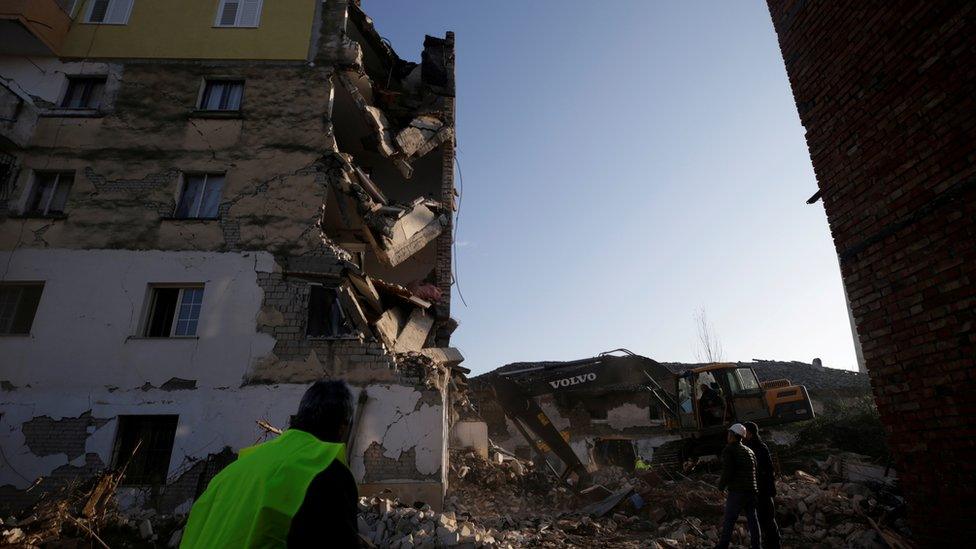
[766,482]
[739,478]
[293,491]
[712,406]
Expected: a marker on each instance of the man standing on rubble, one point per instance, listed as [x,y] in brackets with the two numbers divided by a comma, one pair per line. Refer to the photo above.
[766,481]
[739,478]
[293,491]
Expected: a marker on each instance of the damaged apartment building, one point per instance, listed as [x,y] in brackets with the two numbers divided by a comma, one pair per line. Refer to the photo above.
[206,205]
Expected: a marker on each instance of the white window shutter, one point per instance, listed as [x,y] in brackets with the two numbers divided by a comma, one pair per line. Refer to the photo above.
[118,12]
[227,13]
[250,13]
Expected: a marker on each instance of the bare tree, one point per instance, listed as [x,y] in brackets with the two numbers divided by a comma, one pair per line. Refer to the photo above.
[709,348]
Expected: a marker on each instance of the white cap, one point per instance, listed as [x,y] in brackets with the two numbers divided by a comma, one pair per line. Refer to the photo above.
[738,429]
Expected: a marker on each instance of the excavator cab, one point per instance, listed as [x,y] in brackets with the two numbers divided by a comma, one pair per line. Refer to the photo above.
[716,395]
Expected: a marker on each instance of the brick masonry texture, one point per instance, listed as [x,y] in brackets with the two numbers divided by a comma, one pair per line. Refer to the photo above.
[887,94]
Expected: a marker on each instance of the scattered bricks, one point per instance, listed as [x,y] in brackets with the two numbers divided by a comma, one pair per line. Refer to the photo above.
[885,94]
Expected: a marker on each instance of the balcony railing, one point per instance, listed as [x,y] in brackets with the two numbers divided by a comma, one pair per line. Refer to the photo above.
[33,27]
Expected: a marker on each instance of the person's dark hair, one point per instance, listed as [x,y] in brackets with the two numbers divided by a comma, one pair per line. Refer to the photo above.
[735,436]
[325,410]
[752,428]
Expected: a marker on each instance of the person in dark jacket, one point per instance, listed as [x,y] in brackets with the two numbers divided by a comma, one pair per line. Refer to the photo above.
[330,508]
[739,478]
[766,482]
[712,406]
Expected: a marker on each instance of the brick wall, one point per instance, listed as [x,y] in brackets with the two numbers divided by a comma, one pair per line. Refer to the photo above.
[887,94]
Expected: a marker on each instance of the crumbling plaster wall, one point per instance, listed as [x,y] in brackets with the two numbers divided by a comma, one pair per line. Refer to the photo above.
[127,163]
[91,310]
[396,425]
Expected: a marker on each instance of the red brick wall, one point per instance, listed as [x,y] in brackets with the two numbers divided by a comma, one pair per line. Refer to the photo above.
[887,93]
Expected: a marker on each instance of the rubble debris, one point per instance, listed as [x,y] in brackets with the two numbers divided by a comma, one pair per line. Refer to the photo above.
[525,504]
[85,513]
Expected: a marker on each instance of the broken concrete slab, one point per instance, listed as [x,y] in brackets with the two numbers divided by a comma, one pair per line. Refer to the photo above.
[389,325]
[367,289]
[411,233]
[415,332]
[443,135]
[351,306]
[375,118]
[446,356]
[418,132]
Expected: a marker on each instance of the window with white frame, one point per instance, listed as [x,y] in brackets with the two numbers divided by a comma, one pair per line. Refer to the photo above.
[109,12]
[49,193]
[83,92]
[221,95]
[18,304]
[200,196]
[239,13]
[174,311]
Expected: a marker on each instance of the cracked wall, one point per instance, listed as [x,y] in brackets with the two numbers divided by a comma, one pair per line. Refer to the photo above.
[256,261]
[394,441]
[128,161]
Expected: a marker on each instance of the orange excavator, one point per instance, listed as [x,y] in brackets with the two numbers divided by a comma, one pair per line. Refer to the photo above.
[699,404]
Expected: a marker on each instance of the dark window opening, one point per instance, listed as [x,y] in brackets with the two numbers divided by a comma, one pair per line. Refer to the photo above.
[18,304]
[200,196]
[614,451]
[222,95]
[173,312]
[325,315]
[143,445]
[84,92]
[49,194]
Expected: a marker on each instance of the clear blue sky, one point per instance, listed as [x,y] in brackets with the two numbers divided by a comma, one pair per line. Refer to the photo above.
[625,163]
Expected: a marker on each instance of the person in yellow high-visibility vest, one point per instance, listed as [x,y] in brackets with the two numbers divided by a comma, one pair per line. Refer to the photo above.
[293,491]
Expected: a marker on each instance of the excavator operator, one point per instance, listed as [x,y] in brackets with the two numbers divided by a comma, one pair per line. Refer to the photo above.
[712,406]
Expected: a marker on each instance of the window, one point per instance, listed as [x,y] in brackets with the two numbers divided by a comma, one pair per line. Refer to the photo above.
[744,380]
[239,13]
[143,445]
[325,315]
[18,303]
[68,6]
[84,92]
[49,194]
[200,196]
[109,12]
[222,95]
[173,311]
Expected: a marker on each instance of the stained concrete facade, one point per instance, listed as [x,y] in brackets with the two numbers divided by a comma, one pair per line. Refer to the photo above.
[337,174]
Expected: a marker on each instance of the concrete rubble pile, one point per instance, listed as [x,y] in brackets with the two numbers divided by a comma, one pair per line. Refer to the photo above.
[848,503]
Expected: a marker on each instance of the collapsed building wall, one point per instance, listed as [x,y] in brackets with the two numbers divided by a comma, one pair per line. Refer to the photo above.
[886,93]
[323,257]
